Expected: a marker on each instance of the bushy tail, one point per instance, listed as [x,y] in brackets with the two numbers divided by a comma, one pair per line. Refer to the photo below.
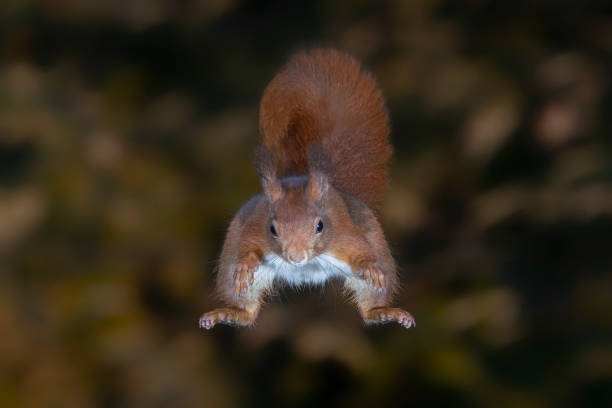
[324,96]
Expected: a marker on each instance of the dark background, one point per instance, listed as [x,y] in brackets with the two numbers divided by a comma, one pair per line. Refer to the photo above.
[125,134]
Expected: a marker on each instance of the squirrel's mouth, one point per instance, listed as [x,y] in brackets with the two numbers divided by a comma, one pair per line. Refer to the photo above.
[299,263]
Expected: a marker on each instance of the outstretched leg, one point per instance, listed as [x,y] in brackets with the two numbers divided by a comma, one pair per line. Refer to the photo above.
[242,288]
[372,292]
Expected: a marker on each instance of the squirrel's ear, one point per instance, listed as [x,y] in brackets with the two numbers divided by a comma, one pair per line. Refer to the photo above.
[317,185]
[266,169]
[318,168]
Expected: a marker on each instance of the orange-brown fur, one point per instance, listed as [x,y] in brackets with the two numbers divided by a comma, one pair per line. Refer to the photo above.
[323,172]
[324,96]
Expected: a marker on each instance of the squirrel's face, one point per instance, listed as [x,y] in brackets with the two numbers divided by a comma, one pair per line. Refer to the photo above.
[299,227]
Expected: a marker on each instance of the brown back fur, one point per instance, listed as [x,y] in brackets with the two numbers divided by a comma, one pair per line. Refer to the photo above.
[324,96]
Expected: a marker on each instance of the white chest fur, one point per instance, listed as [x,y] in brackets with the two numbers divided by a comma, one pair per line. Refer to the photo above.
[315,272]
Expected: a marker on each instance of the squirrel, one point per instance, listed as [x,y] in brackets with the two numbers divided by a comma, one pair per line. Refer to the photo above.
[323,170]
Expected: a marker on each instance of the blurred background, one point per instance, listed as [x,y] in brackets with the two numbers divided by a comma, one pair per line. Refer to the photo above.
[125,134]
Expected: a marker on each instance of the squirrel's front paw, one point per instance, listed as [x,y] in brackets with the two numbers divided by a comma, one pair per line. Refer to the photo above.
[373,276]
[244,272]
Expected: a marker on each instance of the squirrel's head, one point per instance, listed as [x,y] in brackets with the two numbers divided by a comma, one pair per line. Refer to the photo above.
[300,225]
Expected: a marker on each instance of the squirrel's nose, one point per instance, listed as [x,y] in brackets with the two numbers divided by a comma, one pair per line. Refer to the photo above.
[297,259]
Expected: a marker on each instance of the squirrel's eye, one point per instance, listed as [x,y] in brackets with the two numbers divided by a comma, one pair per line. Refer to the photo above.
[273,230]
[319,226]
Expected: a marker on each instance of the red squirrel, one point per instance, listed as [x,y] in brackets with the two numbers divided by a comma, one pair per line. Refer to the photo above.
[323,170]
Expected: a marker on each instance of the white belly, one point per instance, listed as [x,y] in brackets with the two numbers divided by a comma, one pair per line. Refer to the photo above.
[315,272]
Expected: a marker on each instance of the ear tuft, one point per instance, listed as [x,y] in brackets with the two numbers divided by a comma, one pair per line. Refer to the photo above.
[266,166]
[318,169]
[318,184]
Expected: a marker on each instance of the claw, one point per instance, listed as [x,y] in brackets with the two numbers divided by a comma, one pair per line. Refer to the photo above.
[206,323]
